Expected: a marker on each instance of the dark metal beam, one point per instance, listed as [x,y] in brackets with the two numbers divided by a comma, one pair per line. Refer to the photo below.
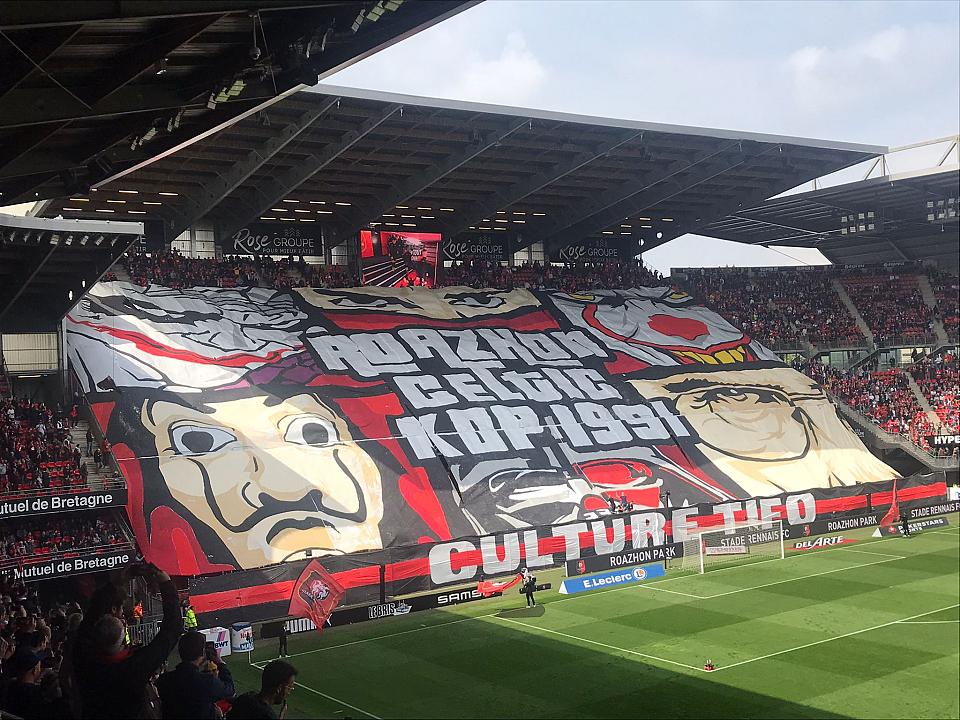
[22,60]
[253,203]
[626,199]
[34,106]
[518,191]
[800,172]
[16,14]
[130,65]
[204,203]
[359,218]
[30,271]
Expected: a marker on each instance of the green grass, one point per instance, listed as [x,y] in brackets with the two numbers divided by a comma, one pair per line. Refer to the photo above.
[822,637]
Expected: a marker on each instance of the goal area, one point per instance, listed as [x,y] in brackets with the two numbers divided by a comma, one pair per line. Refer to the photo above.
[741,544]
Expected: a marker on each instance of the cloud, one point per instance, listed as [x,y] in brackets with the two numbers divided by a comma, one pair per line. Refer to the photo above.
[892,65]
[447,61]
[513,77]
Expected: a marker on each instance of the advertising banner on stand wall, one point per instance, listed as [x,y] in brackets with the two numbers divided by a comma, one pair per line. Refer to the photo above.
[66,564]
[596,250]
[275,238]
[492,247]
[63,501]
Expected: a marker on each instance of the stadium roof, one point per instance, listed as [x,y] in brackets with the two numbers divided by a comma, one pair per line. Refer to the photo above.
[907,219]
[350,158]
[46,265]
[93,88]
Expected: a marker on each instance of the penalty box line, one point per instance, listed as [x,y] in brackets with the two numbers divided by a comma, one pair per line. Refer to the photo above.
[901,621]
[655,585]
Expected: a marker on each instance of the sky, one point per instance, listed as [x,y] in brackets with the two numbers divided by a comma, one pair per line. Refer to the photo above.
[885,73]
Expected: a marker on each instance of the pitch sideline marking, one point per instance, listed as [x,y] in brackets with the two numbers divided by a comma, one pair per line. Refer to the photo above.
[926,622]
[340,702]
[837,637]
[260,666]
[604,645]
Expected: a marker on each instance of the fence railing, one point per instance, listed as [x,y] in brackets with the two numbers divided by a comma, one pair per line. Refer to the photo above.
[144,631]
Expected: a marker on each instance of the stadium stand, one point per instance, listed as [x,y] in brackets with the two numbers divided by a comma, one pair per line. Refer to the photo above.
[781,307]
[37,539]
[939,380]
[885,396]
[946,290]
[891,304]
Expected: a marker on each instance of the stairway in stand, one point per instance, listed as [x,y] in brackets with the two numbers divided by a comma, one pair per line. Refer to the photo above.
[385,273]
[930,298]
[96,479]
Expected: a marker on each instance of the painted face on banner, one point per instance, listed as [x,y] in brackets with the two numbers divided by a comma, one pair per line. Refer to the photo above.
[178,340]
[660,330]
[456,303]
[768,430]
[272,478]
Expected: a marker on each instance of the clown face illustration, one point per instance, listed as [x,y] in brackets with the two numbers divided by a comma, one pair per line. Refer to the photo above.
[178,340]
[768,430]
[660,330]
[274,479]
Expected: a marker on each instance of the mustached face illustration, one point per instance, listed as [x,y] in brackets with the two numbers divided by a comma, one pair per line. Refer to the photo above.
[745,420]
[273,479]
[448,304]
[768,430]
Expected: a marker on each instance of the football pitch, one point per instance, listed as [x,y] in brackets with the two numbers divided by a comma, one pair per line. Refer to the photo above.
[867,629]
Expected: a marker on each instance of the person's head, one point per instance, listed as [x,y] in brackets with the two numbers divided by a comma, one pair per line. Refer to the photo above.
[277,681]
[25,666]
[191,647]
[108,635]
[108,599]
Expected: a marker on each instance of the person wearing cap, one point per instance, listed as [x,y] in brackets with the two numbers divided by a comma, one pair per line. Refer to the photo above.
[23,696]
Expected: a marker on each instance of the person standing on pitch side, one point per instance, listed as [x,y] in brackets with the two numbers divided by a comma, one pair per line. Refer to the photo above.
[904,525]
[529,586]
[283,639]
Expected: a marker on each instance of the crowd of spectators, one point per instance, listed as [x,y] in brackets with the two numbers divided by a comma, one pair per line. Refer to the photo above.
[58,661]
[325,276]
[891,304]
[171,269]
[36,538]
[939,381]
[36,451]
[885,396]
[32,647]
[780,307]
[946,290]
[571,277]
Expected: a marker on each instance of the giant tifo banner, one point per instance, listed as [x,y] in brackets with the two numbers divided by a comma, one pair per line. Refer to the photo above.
[257,427]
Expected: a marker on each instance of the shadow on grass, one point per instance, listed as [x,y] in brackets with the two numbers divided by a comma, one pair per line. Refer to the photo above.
[523,612]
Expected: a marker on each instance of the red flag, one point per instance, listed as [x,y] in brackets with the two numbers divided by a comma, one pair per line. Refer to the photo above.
[316,595]
[888,525]
[487,588]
